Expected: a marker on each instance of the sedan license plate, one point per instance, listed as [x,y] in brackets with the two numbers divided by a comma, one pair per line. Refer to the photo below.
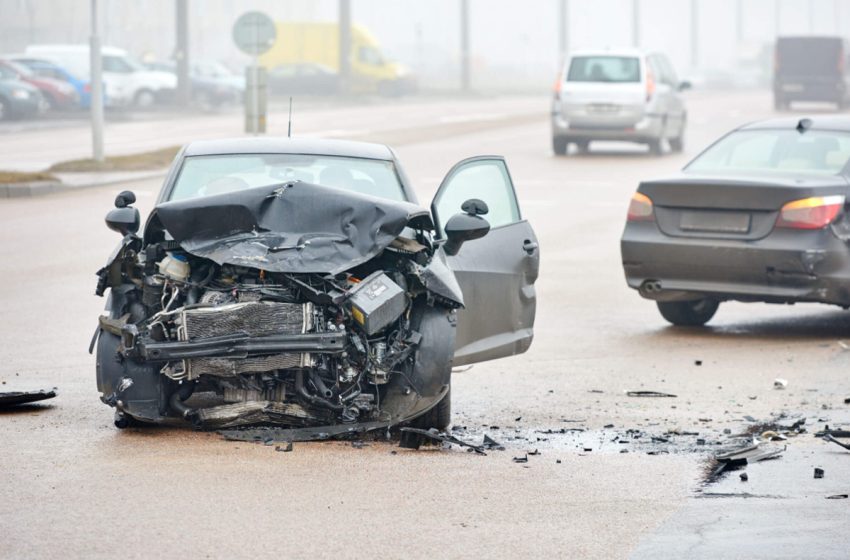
[793,88]
[716,222]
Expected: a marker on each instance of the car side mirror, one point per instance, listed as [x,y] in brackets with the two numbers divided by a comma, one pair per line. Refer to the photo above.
[467,226]
[123,218]
[685,85]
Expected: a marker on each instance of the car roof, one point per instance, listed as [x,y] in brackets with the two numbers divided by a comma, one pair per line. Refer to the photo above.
[820,122]
[74,48]
[284,145]
[625,51]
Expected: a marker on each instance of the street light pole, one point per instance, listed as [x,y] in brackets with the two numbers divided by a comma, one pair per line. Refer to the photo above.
[345,45]
[184,85]
[464,45]
[694,34]
[563,30]
[636,22]
[96,72]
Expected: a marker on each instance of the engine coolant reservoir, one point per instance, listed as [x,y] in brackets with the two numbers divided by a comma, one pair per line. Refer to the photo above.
[174,266]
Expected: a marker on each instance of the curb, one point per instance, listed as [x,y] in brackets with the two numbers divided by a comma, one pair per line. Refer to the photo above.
[40,188]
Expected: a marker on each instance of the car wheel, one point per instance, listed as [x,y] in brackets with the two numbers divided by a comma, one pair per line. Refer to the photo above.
[204,102]
[780,103]
[559,146]
[4,110]
[694,313]
[655,147]
[145,99]
[583,146]
[440,416]
[677,144]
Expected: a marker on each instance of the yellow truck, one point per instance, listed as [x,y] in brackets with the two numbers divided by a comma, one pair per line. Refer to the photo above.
[317,43]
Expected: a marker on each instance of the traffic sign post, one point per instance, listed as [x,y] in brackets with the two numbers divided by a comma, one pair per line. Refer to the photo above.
[255,33]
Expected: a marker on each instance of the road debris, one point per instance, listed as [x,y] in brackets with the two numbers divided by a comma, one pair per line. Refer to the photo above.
[434,434]
[838,497]
[286,448]
[648,394]
[828,437]
[819,472]
[490,443]
[15,398]
[523,459]
[744,477]
[780,383]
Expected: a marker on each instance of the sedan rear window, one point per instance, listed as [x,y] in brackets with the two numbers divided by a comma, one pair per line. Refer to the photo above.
[620,69]
[782,151]
[217,174]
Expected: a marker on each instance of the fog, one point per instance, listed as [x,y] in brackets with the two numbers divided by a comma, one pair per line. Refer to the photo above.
[513,45]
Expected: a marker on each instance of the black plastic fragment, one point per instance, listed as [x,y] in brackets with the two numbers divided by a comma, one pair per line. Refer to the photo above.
[288,435]
[15,398]
[523,459]
[819,472]
[838,497]
[648,394]
[286,448]
[438,436]
[490,443]
[828,437]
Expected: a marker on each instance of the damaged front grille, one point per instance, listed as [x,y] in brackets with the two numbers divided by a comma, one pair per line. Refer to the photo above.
[252,319]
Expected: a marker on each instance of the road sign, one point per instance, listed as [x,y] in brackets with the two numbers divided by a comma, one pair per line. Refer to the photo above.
[254,33]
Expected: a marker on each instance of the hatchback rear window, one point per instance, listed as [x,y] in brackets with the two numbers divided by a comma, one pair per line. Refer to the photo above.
[620,69]
[783,151]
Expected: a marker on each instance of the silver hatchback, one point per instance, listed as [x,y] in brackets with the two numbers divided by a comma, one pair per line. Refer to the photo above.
[622,95]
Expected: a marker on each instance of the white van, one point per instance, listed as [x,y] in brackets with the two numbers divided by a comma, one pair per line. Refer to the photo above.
[126,82]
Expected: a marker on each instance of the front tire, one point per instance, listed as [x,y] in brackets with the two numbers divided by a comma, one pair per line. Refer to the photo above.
[145,99]
[655,147]
[439,417]
[693,313]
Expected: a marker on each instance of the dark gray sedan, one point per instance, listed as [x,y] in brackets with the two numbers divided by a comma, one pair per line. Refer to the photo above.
[298,283]
[761,215]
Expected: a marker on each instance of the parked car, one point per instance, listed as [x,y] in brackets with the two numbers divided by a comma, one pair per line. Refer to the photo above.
[126,82]
[301,79]
[811,69]
[58,94]
[298,283]
[49,69]
[623,95]
[761,215]
[18,99]
[213,84]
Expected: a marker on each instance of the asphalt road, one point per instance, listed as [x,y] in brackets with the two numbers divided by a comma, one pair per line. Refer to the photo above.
[73,485]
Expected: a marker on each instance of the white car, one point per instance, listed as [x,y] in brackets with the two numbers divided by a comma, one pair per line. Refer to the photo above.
[620,95]
[126,82]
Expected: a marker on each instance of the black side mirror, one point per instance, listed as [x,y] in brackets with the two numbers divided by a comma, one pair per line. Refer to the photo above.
[683,85]
[123,218]
[468,226]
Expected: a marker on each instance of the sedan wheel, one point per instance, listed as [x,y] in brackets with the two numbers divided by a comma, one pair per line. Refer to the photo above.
[559,146]
[694,313]
[145,99]
[4,109]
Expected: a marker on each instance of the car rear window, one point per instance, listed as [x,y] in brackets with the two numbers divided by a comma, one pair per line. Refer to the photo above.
[782,151]
[620,69]
[809,56]
[217,174]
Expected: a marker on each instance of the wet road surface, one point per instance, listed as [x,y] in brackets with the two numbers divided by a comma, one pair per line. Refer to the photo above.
[73,485]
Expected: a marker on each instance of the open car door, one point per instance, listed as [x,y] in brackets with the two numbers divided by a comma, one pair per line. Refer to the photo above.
[497,272]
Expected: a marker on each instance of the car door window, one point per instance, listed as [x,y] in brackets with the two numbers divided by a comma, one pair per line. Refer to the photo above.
[484,178]
[116,64]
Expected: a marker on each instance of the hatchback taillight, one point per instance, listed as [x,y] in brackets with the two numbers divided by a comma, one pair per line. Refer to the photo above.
[556,89]
[650,84]
[640,208]
[810,213]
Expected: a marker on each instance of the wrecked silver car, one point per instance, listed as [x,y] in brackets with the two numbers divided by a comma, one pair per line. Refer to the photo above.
[296,283]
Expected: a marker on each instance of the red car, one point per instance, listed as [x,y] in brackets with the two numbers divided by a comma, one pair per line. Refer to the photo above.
[57,93]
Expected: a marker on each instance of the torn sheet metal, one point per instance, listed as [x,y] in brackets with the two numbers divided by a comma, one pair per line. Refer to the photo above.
[293,228]
[15,398]
[828,437]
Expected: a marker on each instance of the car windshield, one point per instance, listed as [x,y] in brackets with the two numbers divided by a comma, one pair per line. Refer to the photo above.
[782,151]
[620,69]
[217,174]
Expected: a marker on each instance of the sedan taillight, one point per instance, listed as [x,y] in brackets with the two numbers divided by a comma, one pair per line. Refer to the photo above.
[640,208]
[810,213]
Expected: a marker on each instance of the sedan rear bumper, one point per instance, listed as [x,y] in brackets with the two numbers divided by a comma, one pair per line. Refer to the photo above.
[785,267]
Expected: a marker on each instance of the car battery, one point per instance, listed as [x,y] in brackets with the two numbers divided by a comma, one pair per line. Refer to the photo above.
[376,302]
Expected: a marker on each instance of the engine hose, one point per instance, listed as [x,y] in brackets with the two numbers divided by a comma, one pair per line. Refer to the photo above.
[302,390]
[180,395]
[320,385]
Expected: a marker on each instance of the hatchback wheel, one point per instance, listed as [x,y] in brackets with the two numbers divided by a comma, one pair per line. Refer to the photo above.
[559,146]
[655,147]
[694,313]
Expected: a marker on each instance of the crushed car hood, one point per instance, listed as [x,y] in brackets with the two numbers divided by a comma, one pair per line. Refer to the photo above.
[292,227]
